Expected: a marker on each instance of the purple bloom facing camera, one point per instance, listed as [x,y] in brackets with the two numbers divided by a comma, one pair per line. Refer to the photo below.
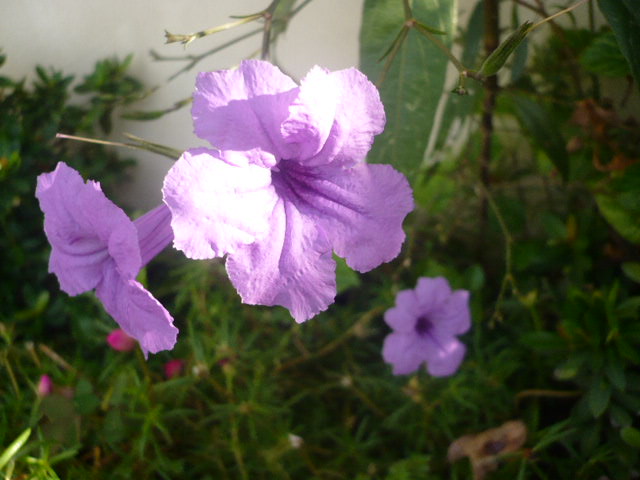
[425,323]
[286,184]
[96,246]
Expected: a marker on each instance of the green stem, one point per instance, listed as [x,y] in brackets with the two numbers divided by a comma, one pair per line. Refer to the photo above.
[187,38]
[141,145]
[561,12]
[438,43]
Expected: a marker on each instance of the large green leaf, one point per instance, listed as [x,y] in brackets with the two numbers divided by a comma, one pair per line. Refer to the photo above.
[415,82]
[624,18]
[603,57]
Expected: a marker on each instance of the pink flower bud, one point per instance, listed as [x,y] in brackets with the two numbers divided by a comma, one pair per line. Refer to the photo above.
[173,368]
[45,386]
[118,340]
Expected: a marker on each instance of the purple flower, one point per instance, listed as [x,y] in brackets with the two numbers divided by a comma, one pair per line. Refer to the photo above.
[96,246]
[425,322]
[287,184]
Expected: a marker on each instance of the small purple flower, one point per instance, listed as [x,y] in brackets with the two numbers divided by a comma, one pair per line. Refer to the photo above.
[425,323]
[96,246]
[287,184]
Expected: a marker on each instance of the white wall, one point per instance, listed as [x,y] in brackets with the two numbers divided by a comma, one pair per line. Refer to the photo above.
[72,35]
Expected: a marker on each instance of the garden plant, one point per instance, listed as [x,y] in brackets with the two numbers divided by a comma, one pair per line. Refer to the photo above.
[426,266]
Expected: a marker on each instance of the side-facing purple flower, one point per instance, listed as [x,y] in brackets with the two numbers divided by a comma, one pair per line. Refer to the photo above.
[425,323]
[96,246]
[287,184]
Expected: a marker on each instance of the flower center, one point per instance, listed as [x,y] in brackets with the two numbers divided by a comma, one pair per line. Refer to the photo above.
[423,326]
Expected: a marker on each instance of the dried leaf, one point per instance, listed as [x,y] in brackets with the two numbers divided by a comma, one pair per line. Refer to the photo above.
[484,449]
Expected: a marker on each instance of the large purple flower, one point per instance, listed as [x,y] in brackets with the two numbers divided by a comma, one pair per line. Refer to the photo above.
[287,184]
[425,323]
[96,246]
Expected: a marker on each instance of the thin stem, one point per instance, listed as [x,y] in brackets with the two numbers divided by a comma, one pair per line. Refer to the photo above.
[408,14]
[561,12]
[438,43]
[331,346]
[186,39]
[143,145]
[491,42]
[57,359]
[508,278]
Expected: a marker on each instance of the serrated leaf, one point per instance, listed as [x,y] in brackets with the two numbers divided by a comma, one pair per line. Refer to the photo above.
[415,81]
[624,18]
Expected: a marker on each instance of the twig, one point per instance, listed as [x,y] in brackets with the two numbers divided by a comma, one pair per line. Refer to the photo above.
[331,346]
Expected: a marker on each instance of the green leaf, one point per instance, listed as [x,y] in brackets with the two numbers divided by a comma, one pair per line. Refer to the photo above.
[540,125]
[624,18]
[569,369]
[614,369]
[632,270]
[415,82]
[631,436]
[622,211]
[12,449]
[598,397]
[603,57]
[494,62]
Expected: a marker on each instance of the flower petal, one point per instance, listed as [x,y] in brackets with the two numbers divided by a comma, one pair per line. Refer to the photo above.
[243,109]
[291,266]
[404,351]
[311,114]
[154,232]
[359,117]
[402,317]
[137,312]
[216,206]
[360,209]
[453,316]
[432,293]
[443,358]
[84,229]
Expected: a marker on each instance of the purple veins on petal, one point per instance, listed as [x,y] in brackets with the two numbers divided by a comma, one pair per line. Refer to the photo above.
[425,323]
[94,245]
[291,266]
[288,185]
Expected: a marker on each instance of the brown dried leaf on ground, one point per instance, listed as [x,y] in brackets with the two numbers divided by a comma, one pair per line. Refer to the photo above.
[485,449]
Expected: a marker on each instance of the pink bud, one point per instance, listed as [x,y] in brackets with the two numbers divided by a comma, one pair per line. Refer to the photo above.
[173,368]
[118,340]
[45,386]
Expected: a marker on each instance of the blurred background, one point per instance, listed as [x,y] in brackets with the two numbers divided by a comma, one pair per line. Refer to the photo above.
[71,35]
